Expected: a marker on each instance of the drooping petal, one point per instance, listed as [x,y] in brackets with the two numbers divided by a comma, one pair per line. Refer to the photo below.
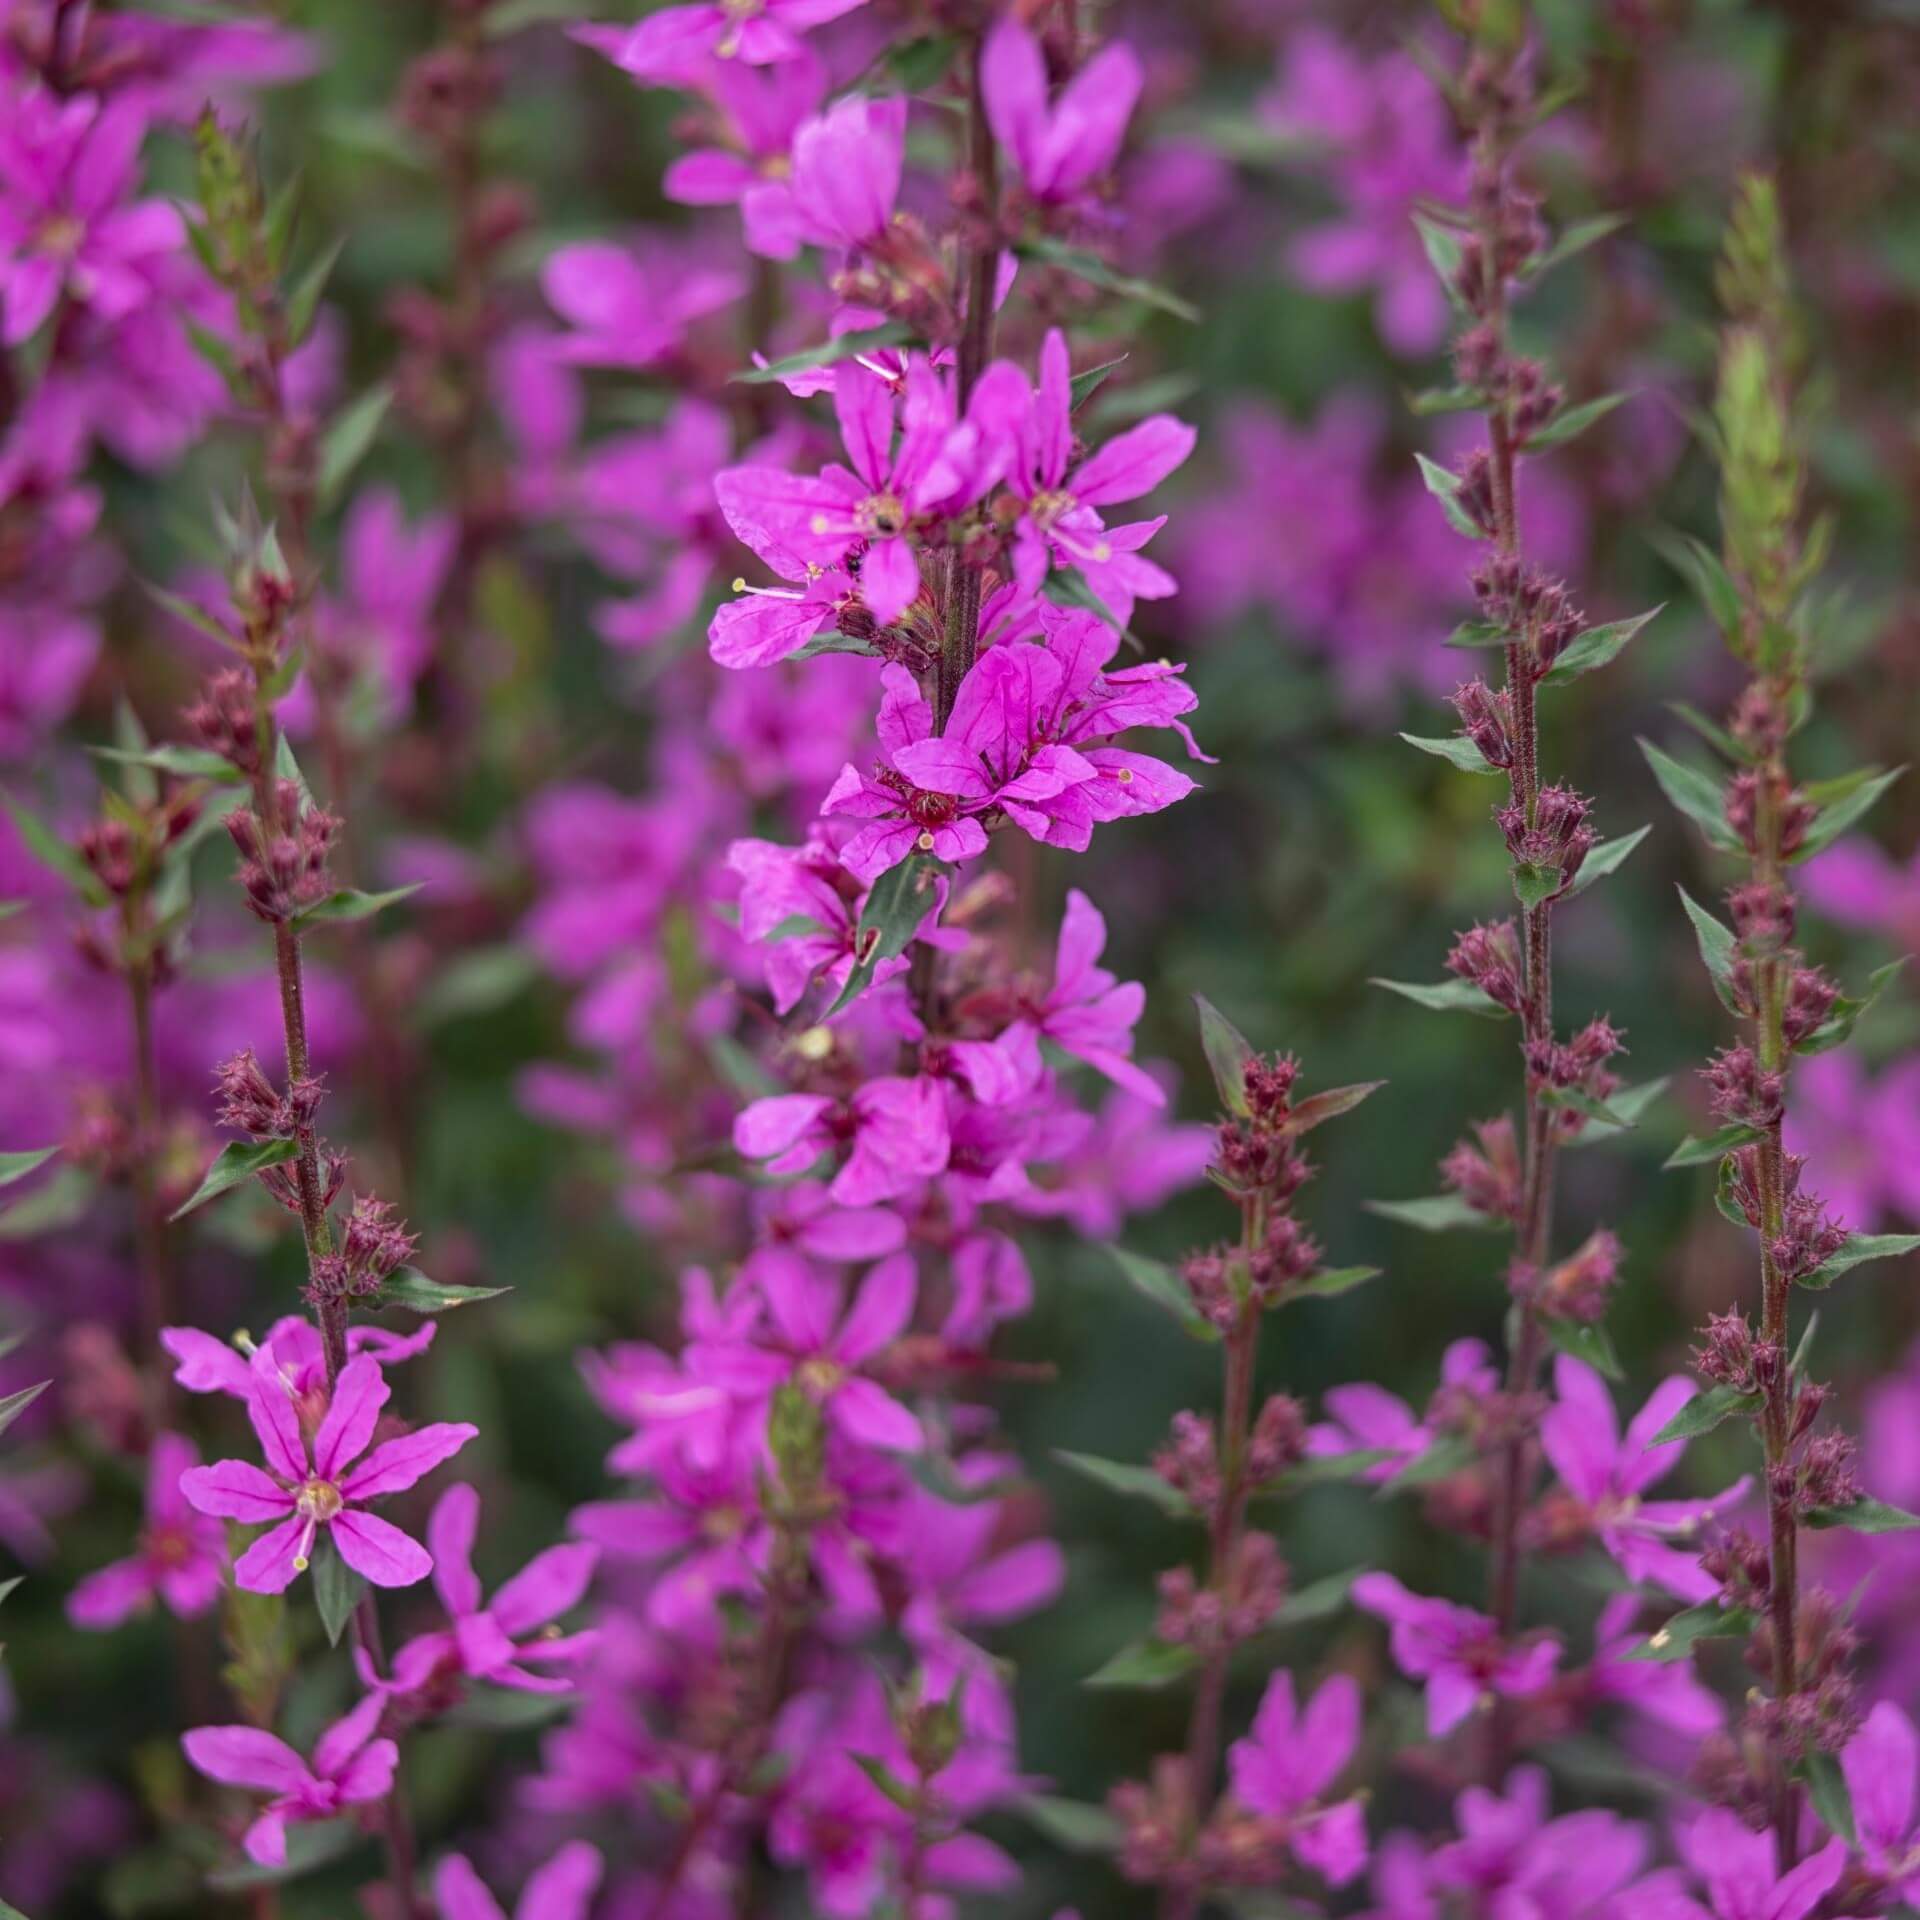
[347,1735]
[236,1490]
[562,1888]
[379,1550]
[461,1894]
[868,1413]
[880,1311]
[245,1757]
[1580,1434]
[549,1585]
[451,1528]
[272,1563]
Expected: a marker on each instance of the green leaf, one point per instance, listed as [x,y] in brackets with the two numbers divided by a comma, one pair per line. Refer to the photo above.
[303,302]
[1716,948]
[1608,1113]
[348,438]
[1606,858]
[1444,996]
[16,1166]
[1443,249]
[1865,1515]
[1724,1201]
[1075,1826]
[1331,1282]
[1708,1621]
[186,763]
[1705,1411]
[1083,386]
[1534,886]
[349,903]
[1145,1664]
[1478,633]
[1704,571]
[1318,1108]
[409,1287]
[1713,1146]
[843,346]
[1452,1453]
[1445,487]
[1711,732]
[54,854]
[190,615]
[1317,1600]
[15,1404]
[1841,803]
[311,1845]
[239,1160]
[336,1588]
[1596,647]
[1575,238]
[883,1776]
[1839,1024]
[1570,422]
[1593,1344]
[1439,1214]
[896,904]
[1624,1108]
[1447,400]
[1827,1789]
[1695,793]
[1136,1482]
[1097,273]
[1160,1284]
[1458,749]
[918,63]
[1860,1248]
[1069,587]
[1227,1054]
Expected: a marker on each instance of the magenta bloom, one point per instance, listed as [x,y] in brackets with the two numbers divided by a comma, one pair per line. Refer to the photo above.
[812,1340]
[180,1559]
[1741,1873]
[1510,1859]
[497,1643]
[1880,1763]
[1607,1475]
[673,46]
[628,306]
[1063,151]
[66,168]
[843,182]
[302,1495]
[349,1768]
[292,1347]
[895,1130]
[561,1890]
[1459,1653]
[761,109]
[1284,1767]
[1087,1012]
[1667,1692]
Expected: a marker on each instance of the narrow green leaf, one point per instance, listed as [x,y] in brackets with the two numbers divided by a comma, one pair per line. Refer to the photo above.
[896,904]
[1443,247]
[54,854]
[1713,1146]
[1318,1108]
[1534,886]
[1860,1248]
[1125,1477]
[1227,1054]
[1331,1282]
[1608,857]
[1715,735]
[1084,385]
[1705,1411]
[1827,1789]
[1317,1600]
[883,1777]
[1839,1024]
[16,1166]
[303,302]
[1458,749]
[1708,1621]
[1695,793]
[843,346]
[1866,1515]
[1716,948]
[188,614]
[1452,1453]
[185,763]
[238,1160]
[1097,273]
[1477,633]
[1841,804]
[1575,238]
[1623,1109]
[1147,1664]
[1444,996]
[1447,400]
[1445,488]
[349,903]
[1073,1825]
[336,1588]
[1436,1215]
[1571,422]
[348,438]
[15,1404]
[1160,1284]
[1703,570]
[1069,587]
[1593,1344]
[1596,647]
[409,1287]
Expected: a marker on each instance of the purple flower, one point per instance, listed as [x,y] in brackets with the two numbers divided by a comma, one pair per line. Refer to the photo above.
[180,1558]
[303,1495]
[1510,1859]
[1667,1692]
[671,47]
[1607,1475]
[1059,152]
[561,1890]
[1856,883]
[895,1131]
[349,1768]
[1087,1012]
[843,182]
[293,1350]
[813,1341]
[66,168]
[629,306]
[1369,1419]
[1284,1767]
[1880,1763]
[1741,1872]
[1460,1654]
[1860,1136]
[1058,523]
[496,1642]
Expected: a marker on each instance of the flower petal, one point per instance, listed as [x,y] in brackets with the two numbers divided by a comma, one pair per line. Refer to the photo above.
[379,1550]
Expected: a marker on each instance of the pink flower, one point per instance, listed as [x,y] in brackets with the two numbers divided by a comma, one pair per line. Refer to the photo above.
[812,1340]
[1460,1654]
[631,305]
[1059,152]
[180,1558]
[497,1643]
[673,45]
[895,1131]
[1284,1767]
[843,182]
[561,1890]
[1510,1859]
[1667,1692]
[1880,1763]
[349,1768]
[1741,1871]
[304,1495]
[1607,1475]
[1087,1012]
[66,168]
[293,1350]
